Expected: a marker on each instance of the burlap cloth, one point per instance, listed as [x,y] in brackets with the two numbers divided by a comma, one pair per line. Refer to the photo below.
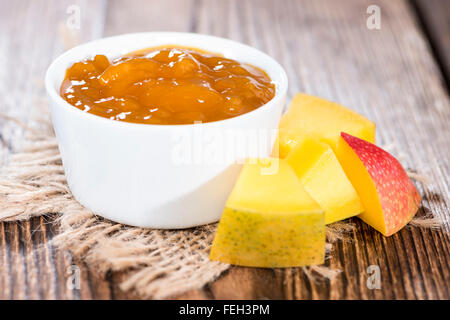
[156,263]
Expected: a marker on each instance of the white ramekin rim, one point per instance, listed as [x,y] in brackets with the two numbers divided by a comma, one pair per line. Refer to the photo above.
[281,83]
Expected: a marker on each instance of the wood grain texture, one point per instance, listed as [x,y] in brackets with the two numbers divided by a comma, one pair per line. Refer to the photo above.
[389,75]
[30,38]
[435,17]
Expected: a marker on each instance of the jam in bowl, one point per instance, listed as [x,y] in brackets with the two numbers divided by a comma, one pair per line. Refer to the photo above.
[121,118]
[166,85]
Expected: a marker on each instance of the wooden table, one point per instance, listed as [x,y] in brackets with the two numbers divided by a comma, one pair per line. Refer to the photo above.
[397,76]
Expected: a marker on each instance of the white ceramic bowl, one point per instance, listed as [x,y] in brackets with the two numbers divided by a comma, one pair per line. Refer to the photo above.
[153,175]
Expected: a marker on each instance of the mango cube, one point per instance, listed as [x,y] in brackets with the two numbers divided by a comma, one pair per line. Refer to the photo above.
[323,178]
[269,220]
[323,120]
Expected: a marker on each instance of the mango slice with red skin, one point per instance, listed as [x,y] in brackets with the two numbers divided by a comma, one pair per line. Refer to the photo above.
[389,197]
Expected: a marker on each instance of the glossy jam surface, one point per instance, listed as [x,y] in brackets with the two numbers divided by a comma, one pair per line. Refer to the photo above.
[166,86]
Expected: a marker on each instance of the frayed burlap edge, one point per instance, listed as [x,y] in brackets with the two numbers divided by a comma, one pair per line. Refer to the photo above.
[157,263]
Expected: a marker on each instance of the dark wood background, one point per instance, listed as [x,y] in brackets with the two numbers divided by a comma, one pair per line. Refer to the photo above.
[398,76]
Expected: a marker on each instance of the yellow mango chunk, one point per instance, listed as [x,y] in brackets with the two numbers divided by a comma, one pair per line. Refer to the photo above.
[270,220]
[322,120]
[323,178]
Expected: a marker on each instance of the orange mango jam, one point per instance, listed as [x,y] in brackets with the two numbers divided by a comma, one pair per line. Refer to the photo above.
[166,86]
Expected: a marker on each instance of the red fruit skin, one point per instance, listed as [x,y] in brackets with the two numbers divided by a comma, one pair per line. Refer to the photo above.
[398,196]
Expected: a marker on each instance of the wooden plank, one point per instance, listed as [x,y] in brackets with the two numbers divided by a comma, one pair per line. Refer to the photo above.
[434,15]
[172,15]
[31,38]
[387,74]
